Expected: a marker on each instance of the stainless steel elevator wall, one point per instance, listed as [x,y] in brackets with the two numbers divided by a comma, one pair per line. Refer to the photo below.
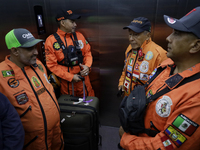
[102,24]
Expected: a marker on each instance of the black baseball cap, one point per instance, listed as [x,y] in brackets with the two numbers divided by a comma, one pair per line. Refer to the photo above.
[66,14]
[139,25]
[188,23]
[20,38]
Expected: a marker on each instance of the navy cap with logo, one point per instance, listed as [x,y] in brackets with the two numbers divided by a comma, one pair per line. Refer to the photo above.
[139,25]
[20,38]
[188,23]
[66,14]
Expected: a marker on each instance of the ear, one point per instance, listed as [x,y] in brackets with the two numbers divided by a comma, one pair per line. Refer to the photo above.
[14,51]
[195,46]
[148,35]
[62,22]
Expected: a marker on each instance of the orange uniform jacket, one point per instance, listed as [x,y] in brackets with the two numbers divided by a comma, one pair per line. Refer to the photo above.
[175,114]
[140,64]
[33,97]
[54,53]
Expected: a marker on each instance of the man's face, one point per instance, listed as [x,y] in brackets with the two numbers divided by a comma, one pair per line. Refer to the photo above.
[137,39]
[27,56]
[179,44]
[69,25]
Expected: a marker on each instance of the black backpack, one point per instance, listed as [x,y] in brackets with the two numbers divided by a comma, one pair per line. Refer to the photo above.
[132,107]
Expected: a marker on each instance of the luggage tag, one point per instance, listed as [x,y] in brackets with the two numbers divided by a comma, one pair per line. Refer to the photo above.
[81,99]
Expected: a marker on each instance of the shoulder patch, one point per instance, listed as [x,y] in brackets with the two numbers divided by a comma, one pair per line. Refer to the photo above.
[8,73]
[184,124]
[149,55]
[163,106]
[81,44]
[56,45]
[177,138]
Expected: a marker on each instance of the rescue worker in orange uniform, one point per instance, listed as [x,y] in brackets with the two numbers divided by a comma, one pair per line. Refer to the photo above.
[59,59]
[141,57]
[175,115]
[24,82]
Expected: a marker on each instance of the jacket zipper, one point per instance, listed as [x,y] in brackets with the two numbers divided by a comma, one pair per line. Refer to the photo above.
[29,108]
[41,108]
[46,89]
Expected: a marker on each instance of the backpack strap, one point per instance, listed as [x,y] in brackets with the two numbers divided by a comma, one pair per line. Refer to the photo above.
[159,70]
[196,76]
[166,90]
[75,41]
[65,50]
[57,37]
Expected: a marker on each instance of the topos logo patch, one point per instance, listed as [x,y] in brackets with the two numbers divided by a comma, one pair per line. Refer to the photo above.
[22,98]
[163,106]
[13,83]
[56,46]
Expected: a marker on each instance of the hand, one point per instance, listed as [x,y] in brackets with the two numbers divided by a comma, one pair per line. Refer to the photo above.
[120,91]
[85,70]
[76,78]
[120,87]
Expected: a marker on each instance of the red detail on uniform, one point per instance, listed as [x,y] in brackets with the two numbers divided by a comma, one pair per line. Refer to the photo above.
[190,12]
[140,53]
[166,139]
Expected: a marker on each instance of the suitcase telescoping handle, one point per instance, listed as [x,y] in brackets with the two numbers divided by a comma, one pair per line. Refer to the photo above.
[83,80]
[83,100]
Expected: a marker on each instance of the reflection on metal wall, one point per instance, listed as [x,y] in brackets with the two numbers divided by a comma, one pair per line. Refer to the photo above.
[101,23]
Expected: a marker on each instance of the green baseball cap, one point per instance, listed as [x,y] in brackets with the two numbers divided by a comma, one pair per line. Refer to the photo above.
[20,38]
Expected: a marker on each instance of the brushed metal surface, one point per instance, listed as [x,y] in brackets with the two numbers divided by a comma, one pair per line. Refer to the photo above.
[102,24]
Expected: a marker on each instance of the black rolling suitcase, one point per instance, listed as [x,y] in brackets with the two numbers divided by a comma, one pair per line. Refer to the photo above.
[79,122]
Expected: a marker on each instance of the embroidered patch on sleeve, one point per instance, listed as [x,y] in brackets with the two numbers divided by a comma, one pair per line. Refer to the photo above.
[8,73]
[185,124]
[56,46]
[166,142]
[177,138]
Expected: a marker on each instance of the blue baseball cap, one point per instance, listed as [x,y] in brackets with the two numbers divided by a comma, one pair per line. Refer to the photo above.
[188,23]
[139,25]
